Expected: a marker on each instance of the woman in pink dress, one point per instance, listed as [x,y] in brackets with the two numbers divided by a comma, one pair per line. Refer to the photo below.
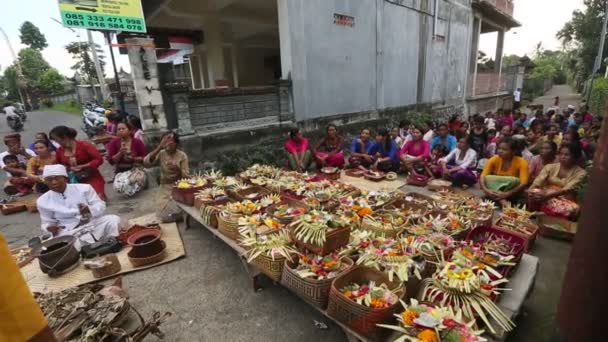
[329,150]
[298,154]
[415,151]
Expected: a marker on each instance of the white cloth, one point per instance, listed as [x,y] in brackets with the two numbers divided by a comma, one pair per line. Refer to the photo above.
[428,136]
[130,182]
[517,96]
[10,111]
[54,170]
[490,123]
[21,158]
[97,229]
[469,160]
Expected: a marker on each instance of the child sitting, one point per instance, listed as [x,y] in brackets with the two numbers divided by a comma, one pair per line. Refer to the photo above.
[435,167]
[18,184]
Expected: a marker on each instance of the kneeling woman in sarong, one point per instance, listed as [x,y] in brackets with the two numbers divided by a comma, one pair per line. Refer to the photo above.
[506,174]
[328,151]
[554,190]
[458,165]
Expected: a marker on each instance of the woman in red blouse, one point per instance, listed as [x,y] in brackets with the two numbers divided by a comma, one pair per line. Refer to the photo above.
[81,158]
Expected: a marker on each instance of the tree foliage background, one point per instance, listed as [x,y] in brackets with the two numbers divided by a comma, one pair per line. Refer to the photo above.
[40,78]
[81,51]
[31,36]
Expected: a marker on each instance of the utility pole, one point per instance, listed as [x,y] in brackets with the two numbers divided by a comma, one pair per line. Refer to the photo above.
[121,97]
[100,78]
[20,81]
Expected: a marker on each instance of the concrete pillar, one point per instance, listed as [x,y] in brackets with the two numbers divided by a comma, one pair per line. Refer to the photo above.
[234,55]
[500,43]
[144,71]
[215,51]
[474,51]
[182,110]
[284,38]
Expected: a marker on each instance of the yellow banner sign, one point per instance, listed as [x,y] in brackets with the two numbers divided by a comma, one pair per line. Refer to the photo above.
[108,15]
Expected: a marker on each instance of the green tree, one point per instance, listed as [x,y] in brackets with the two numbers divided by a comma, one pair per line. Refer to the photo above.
[51,82]
[9,83]
[31,36]
[81,51]
[33,66]
[581,35]
[510,60]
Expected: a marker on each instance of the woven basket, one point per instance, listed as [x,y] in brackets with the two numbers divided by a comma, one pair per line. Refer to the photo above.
[210,215]
[242,194]
[357,173]
[271,268]
[200,201]
[153,259]
[228,225]
[374,178]
[112,267]
[286,219]
[312,291]
[361,318]
[330,176]
[186,196]
[366,225]
[12,208]
[526,230]
[545,222]
[334,240]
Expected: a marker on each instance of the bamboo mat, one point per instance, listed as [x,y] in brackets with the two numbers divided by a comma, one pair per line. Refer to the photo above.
[40,282]
[367,185]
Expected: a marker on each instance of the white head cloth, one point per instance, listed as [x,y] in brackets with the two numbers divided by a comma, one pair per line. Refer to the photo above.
[54,170]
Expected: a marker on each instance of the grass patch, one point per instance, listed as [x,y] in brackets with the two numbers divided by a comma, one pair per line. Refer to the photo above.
[70,107]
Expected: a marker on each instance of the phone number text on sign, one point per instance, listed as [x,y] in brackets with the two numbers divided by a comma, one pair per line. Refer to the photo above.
[103,22]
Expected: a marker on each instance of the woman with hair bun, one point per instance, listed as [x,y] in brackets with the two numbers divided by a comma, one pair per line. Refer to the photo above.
[298,154]
[81,159]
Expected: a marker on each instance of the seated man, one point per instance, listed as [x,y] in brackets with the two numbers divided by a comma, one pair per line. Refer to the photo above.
[74,209]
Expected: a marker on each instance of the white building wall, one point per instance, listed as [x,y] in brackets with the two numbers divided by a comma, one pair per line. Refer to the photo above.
[378,62]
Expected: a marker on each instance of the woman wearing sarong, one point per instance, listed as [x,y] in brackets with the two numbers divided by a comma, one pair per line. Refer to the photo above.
[173,164]
[298,154]
[328,151]
[548,152]
[360,150]
[385,152]
[415,152]
[554,190]
[458,165]
[127,154]
[506,174]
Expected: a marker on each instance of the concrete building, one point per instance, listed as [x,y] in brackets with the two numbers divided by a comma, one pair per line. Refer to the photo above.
[258,65]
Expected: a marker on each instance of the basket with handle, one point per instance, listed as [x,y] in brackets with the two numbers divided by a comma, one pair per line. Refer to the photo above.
[368,224]
[312,291]
[334,240]
[287,219]
[361,318]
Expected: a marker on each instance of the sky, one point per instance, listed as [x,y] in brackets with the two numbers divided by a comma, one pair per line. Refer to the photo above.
[540,19]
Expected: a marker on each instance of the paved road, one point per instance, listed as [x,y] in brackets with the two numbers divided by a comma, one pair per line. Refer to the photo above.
[567,96]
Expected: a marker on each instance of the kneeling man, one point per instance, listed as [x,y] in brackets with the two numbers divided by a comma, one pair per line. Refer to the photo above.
[74,209]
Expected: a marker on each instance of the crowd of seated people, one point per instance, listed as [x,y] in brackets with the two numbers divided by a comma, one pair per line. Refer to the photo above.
[537,158]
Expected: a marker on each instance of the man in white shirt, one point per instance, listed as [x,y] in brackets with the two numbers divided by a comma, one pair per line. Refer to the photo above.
[517,98]
[13,142]
[74,209]
[9,110]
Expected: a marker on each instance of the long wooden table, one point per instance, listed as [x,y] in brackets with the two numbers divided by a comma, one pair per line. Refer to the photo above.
[511,302]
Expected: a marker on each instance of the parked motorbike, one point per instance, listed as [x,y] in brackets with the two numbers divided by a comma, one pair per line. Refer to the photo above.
[15,123]
[20,110]
[93,119]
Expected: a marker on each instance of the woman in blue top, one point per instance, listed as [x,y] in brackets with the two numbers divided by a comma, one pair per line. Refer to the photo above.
[359,150]
[385,152]
[444,138]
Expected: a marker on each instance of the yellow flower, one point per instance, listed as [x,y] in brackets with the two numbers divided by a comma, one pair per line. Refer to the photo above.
[464,274]
[408,317]
[427,335]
